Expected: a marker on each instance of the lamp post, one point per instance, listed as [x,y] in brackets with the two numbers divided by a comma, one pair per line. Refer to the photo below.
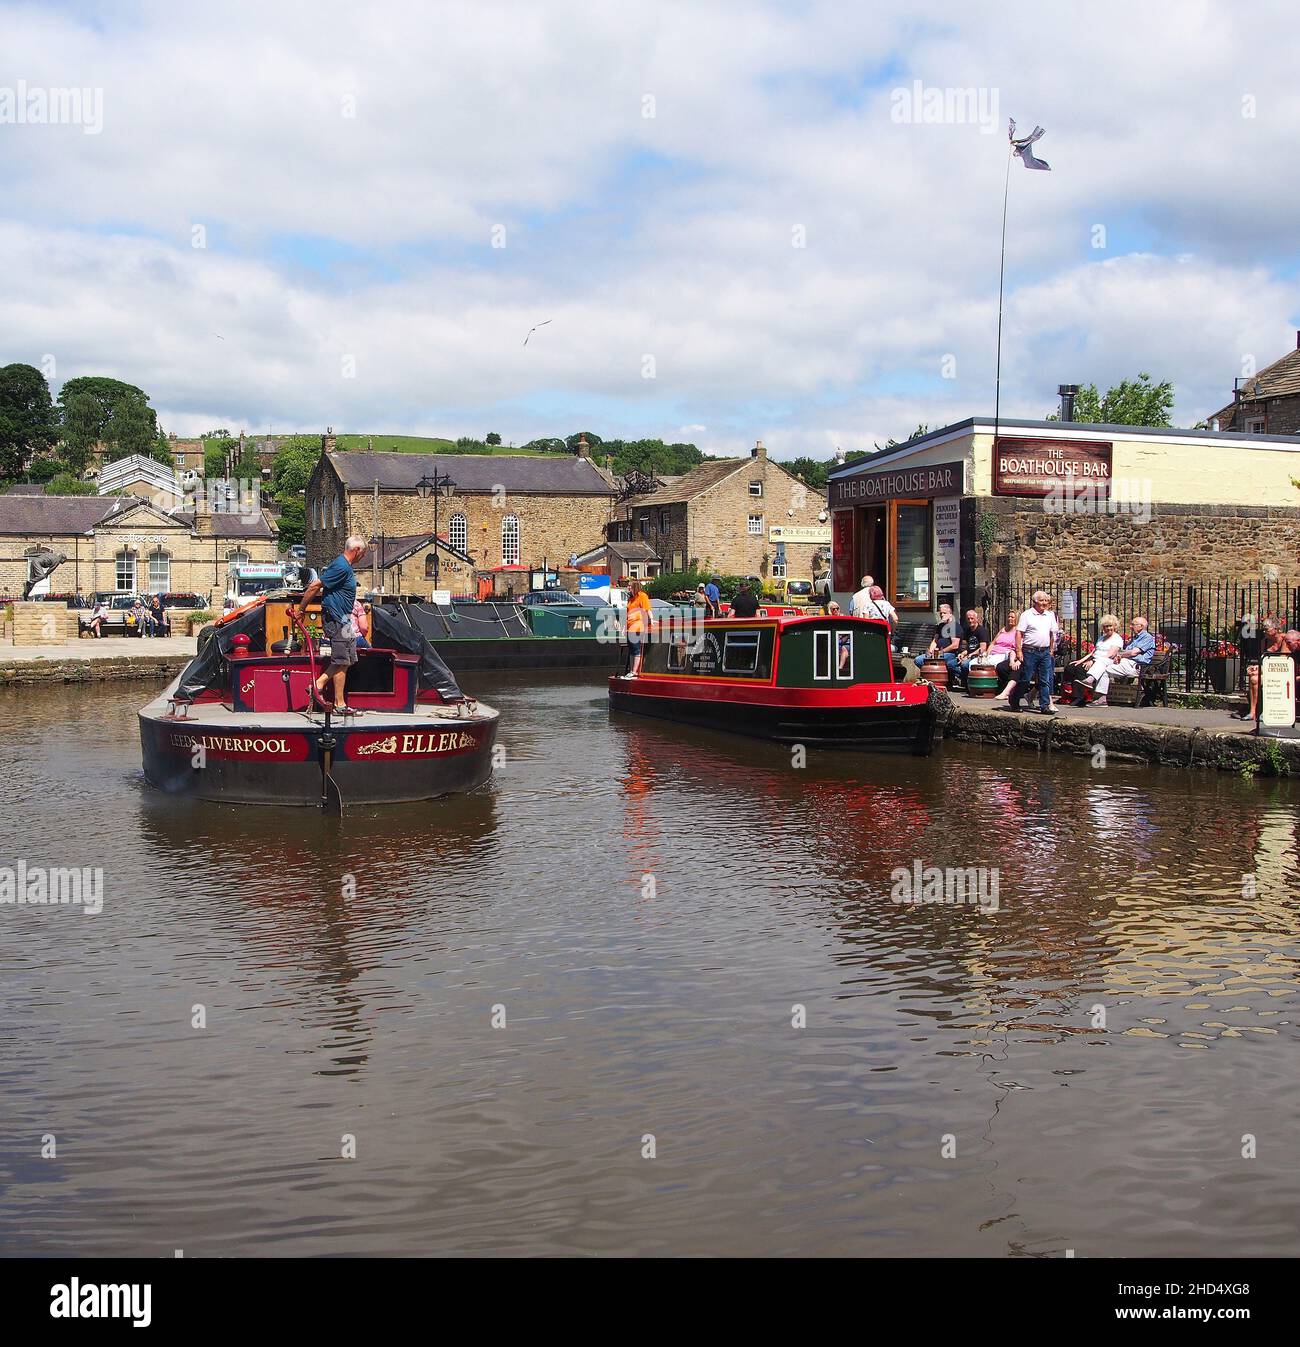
[437,486]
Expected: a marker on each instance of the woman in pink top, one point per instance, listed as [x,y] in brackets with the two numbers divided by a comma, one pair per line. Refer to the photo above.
[1002,654]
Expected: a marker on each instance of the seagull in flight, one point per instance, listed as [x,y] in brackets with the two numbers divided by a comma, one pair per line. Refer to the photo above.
[1021,146]
[534,328]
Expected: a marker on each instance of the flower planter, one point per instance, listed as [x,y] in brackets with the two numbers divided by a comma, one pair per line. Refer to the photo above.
[1223,671]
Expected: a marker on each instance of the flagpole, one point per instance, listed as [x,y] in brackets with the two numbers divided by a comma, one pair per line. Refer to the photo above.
[1002,268]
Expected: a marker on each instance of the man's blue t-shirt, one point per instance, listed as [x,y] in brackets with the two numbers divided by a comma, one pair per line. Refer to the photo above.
[339,590]
[713,592]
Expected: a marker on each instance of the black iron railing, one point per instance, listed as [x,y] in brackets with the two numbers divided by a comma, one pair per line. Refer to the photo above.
[1212,627]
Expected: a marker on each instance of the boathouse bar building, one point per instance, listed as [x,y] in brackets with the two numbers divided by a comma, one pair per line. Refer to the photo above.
[945,518]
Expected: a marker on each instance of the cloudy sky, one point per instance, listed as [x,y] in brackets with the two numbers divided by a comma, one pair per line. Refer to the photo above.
[738,218]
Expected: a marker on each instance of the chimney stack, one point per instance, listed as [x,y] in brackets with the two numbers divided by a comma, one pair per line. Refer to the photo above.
[1068,393]
[328,442]
[584,449]
[759,450]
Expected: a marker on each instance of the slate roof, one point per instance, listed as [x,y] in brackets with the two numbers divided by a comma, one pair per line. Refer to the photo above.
[1281,379]
[53,515]
[398,549]
[553,475]
[697,480]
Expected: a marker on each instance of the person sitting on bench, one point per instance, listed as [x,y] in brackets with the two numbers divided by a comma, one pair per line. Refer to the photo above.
[1129,663]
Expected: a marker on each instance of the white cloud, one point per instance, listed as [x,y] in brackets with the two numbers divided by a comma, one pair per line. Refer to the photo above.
[668,237]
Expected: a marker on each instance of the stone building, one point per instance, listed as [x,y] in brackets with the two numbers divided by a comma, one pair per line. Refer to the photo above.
[946,518]
[122,543]
[736,516]
[1267,403]
[500,509]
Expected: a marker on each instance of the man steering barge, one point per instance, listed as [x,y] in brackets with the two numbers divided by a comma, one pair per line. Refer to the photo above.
[337,587]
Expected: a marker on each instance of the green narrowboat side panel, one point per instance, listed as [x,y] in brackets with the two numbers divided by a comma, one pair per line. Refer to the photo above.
[563,620]
[831,654]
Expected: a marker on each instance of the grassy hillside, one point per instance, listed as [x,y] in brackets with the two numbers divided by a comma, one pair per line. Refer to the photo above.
[415,444]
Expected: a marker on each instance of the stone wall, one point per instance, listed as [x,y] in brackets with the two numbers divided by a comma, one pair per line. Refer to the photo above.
[198,564]
[1180,542]
[551,527]
[712,529]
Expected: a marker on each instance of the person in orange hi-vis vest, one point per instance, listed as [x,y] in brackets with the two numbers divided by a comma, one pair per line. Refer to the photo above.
[640,618]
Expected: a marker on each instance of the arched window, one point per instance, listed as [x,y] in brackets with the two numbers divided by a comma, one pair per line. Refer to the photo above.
[510,540]
[458,532]
[237,558]
[337,518]
[125,571]
[428,567]
[160,571]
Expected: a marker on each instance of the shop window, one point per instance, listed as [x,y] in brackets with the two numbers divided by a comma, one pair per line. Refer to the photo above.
[912,553]
[160,572]
[510,540]
[458,532]
[756,526]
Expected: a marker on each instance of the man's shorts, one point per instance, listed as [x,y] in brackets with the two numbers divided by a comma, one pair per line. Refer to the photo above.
[342,637]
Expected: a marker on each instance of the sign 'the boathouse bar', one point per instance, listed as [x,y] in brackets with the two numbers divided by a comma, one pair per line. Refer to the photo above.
[940,479]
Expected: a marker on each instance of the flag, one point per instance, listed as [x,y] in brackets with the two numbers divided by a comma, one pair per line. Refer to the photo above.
[1021,146]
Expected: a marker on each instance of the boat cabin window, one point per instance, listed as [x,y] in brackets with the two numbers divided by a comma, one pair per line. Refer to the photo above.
[822,642]
[740,654]
[844,655]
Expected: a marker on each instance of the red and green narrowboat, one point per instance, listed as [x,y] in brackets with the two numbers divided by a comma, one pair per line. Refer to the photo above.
[821,681]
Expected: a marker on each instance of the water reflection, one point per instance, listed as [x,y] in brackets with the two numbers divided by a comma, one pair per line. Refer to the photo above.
[666,1007]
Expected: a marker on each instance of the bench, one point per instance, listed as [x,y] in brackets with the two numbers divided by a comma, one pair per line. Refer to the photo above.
[1149,687]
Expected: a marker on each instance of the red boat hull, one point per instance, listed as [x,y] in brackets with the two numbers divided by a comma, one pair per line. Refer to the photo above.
[892,718]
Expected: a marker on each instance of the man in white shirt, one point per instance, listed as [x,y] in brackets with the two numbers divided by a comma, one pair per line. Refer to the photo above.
[1036,635]
[858,604]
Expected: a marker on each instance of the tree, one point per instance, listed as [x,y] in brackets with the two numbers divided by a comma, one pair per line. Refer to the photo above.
[571,444]
[132,428]
[1132,402]
[214,460]
[292,467]
[81,425]
[45,469]
[107,395]
[65,484]
[292,522]
[28,424]
[812,470]
[492,438]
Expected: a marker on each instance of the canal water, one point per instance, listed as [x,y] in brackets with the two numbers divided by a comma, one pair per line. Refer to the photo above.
[648,993]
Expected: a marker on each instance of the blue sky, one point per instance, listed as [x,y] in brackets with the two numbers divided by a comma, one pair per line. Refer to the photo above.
[733,230]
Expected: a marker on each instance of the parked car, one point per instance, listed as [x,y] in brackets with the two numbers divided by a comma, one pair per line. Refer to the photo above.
[183,599]
[534,596]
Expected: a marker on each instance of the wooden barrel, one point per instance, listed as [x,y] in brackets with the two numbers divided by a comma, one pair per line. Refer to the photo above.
[982,681]
[935,671]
